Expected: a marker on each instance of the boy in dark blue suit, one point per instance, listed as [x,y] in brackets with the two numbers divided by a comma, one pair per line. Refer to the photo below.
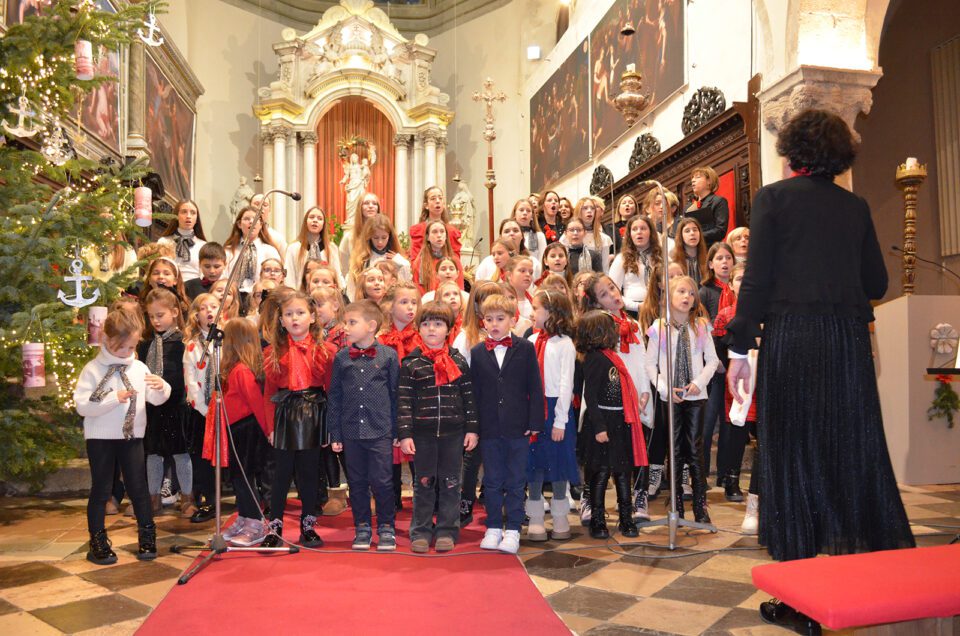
[509,395]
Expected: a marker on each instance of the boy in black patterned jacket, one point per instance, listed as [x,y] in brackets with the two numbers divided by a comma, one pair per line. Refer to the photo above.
[437,420]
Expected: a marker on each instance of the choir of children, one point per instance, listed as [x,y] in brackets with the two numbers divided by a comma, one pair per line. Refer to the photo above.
[416,370]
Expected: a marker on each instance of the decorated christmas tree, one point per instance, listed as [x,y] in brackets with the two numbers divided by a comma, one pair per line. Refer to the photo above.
[55,206]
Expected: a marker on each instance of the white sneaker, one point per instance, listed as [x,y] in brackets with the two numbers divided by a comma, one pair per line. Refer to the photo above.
[167,496]
[584,511]
[546,505]
[235,529]
[254,532]
[510,544]
[491,539]
[751,520]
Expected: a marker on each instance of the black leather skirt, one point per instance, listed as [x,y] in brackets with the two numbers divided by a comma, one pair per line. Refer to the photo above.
[300,419]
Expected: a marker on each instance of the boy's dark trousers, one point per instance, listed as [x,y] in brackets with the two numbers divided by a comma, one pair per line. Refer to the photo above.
[504,479]
[439,460]
[369,470]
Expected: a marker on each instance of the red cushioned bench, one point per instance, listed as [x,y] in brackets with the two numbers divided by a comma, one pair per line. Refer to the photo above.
[871,589]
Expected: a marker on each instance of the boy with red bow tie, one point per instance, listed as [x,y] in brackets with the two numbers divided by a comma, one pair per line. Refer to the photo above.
[437,421]
[509,395]
[213,259]
[362,420]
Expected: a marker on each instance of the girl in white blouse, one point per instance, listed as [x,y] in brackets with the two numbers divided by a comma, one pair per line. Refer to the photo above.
[632,267]
[260,249]
[314,242]
[552,455]
[186,237]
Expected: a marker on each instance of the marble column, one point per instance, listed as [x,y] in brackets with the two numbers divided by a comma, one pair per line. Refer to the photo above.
[442,163]
[429,158]
[416,191]
[279,203]
[844,91]
[293,185]
[401,209]
[136,125]
[266,171]
[309,179]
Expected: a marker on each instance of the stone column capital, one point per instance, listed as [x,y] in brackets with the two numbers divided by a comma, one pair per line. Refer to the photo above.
[309,137]
[401,141]
[280,132]
[844,91]
[428,136]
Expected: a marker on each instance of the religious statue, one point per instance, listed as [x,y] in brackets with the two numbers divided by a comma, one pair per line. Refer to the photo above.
[241,198]
[356,178]
[463,211]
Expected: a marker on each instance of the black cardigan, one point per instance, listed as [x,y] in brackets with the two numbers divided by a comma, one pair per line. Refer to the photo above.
[713,216]
[425,409]
[813,250]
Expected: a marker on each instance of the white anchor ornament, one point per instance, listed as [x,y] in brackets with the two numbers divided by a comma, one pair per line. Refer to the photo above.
[25,119]
[78,299]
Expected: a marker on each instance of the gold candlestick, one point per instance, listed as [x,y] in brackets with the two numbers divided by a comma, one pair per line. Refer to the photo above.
[909,177]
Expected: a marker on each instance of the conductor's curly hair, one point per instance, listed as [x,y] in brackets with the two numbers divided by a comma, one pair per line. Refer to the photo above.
[817,142]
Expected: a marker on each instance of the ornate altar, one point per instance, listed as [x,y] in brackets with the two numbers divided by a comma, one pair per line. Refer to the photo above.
[353,57]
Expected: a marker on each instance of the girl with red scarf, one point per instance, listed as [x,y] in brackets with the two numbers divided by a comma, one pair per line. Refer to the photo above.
[601,292]
[297,368]
[614,441]
[400,307]
[715,293]
[553,455]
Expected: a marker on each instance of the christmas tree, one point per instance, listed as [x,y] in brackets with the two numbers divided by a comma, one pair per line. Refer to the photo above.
[54,204]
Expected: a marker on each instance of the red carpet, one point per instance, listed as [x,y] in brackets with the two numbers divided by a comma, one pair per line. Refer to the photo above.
[358,592]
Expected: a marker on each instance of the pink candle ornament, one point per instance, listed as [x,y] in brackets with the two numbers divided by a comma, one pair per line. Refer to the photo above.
[83,62]
[143,206]
[34,373]
[95,319]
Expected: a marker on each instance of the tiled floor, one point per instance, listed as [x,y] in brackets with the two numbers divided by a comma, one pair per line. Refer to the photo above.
[47,586]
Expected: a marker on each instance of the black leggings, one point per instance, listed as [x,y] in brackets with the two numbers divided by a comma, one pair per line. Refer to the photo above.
[104,455]
[733,441]
[472,461]
[306,465]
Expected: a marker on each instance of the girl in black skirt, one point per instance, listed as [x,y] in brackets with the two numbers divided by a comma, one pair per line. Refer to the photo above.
[612,432]
[162,352]
[297,367]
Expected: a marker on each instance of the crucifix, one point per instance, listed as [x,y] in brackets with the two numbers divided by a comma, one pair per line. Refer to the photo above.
[488,96]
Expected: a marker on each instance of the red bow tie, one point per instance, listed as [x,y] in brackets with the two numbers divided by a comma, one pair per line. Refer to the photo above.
[493,344]
[370,352]
[207,282]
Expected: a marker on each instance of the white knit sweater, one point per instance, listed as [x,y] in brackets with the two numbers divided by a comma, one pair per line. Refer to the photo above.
[104,419]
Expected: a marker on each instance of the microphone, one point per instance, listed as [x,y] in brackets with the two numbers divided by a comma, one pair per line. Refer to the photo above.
[294,195]
[473,251]
[897,248]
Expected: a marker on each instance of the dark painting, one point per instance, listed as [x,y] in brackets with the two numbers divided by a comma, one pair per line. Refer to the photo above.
[559,121]
[657,49]
[169,133]
[17,10]
[100,108]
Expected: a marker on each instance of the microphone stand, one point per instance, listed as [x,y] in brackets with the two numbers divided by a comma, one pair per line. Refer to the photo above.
[217,545]
[672,521]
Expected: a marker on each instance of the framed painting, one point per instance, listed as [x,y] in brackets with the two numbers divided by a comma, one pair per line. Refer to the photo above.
[100,108]
[169,130]
[657,49]
[18,10]
[559,121]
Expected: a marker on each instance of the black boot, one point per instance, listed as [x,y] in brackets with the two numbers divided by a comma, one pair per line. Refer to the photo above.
[100,551]
[676,491]
[626,524]
[731,487]
[274,534]
[777,613]
[699,484]
[204,513]
[308,536]
[466,513]
[598,492]
[147,538]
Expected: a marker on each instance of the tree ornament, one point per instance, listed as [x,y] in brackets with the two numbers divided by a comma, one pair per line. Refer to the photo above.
[143,206]
[152,36]
[78,279]
[56,146]
[25,118]
[34,372]
[83,59]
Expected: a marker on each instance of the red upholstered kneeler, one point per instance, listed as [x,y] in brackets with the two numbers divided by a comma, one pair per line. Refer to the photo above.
[868,589]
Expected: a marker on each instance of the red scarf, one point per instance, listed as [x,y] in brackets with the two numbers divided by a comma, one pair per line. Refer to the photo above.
[445,369]
[628,331]
[631,408]
[455,331]
[209,452]
[727,299]
[337,337]
[540,344]
[402,341]
[299,363]
[503,276]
